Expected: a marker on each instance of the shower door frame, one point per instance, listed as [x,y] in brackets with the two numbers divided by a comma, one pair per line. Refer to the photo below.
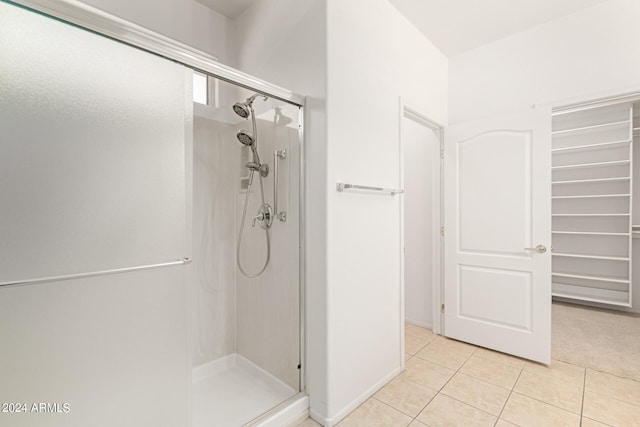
[120,30]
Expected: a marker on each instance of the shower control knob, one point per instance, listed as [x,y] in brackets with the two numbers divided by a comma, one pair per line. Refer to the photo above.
[264,216]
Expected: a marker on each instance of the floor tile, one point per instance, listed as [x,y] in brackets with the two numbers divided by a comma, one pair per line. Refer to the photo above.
[443,411]
[308,423]
[551,391]
[491,371]
[446,352]
[527,412]
[407,356]
[427,374]
[416,423]
[619,388]
[418,331]
[586,422]
[514,362]
[404,395]
[558,370]
[479,394]
[503,423]
[610,411]
[374,413]
[412,345]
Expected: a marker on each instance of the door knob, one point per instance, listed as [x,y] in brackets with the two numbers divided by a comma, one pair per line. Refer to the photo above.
[540,249]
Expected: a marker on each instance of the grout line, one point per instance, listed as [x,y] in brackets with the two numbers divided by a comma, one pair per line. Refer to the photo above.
[510,393]
[584,391]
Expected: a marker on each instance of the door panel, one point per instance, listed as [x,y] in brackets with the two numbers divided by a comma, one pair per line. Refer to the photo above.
[497,204]
[494,213]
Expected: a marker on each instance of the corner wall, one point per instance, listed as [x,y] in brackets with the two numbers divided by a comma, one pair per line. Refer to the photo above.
[374,57]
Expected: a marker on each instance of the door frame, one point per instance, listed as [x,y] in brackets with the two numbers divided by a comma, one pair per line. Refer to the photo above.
[408,112]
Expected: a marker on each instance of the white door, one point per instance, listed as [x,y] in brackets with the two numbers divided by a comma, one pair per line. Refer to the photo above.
[497,211]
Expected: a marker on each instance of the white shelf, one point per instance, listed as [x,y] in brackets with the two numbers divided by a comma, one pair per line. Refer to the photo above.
[591,196]
[611,297]
[591,165]
[590,233]
[589,181]
[586,129]
[600,145]
[583,256]
[594,277]
[590,277]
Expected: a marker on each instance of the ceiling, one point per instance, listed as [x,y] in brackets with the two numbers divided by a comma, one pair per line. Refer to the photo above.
[456,26]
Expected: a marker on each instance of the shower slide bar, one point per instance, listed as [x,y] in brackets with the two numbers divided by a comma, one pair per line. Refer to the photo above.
[182,261]
[392,191]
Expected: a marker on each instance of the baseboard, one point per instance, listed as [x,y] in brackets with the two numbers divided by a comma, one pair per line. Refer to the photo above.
[329,422]
[421,324]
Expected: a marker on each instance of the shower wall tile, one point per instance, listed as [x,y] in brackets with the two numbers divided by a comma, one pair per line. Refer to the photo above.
[213,293]
[268,309]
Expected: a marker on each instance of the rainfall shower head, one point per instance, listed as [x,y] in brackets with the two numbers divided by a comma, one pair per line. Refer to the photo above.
[246,138]
[243,109]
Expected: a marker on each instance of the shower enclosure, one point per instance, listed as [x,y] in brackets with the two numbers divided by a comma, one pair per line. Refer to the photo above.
[139,174]
[245,291]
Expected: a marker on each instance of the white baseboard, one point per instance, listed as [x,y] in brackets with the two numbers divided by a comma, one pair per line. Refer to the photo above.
[329,422]
[421,324]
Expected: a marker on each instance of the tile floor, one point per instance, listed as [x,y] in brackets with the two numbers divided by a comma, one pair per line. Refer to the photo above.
[449,383]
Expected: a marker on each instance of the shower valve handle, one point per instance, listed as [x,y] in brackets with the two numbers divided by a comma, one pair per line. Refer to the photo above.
[262,216]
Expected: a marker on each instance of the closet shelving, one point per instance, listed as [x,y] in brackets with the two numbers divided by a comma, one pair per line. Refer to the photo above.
[592,199]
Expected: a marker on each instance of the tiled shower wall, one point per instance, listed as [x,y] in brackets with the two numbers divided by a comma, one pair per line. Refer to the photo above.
[258,318]
[268,324]
[212,293]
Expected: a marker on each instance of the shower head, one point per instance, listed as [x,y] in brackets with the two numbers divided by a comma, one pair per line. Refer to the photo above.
[246,138]
[243,109]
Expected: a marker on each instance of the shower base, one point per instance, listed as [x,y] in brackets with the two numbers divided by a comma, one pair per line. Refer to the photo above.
[232,391]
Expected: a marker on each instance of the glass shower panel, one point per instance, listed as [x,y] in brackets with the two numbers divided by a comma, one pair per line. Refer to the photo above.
[92,159]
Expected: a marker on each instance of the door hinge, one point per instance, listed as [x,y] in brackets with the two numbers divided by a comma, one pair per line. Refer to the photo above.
[442,231]
[442,308]
[442,153]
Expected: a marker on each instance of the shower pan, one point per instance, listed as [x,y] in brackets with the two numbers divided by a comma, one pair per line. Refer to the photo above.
[246,289]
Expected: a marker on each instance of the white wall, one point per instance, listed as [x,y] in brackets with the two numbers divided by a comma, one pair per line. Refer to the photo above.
[368,70]
[421,156]
[591,53]
[186,21]
[587,55]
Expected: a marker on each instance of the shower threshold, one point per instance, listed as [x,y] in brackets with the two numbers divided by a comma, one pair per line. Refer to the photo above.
[231,391]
